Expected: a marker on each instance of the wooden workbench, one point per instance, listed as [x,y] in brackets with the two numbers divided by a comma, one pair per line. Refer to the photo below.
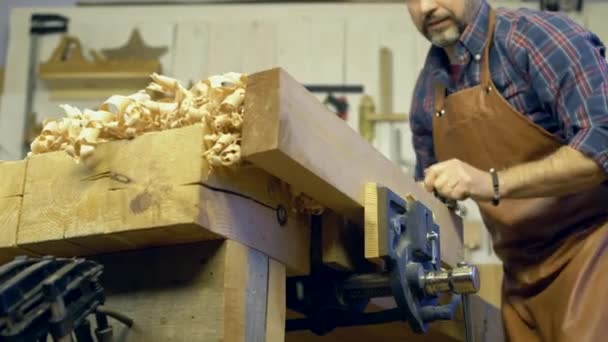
[197,255]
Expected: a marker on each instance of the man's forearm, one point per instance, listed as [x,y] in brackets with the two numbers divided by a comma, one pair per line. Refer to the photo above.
[564,172]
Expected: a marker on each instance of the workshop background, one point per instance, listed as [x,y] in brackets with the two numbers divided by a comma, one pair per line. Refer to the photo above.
[362,49]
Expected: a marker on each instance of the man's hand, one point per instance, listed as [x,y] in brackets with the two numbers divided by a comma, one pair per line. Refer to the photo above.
[457,180]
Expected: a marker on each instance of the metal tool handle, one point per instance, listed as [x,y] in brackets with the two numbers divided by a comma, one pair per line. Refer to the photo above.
[458,208]
[469,272]
[468,322]
[462,280]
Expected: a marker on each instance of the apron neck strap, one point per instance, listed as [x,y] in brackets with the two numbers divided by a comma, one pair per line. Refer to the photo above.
[485,66]
[485,61]
[439,97]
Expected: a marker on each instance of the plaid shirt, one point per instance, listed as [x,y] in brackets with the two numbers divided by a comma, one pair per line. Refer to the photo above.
[545,65]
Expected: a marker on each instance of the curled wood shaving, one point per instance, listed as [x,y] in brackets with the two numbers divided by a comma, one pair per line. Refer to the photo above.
[216,103]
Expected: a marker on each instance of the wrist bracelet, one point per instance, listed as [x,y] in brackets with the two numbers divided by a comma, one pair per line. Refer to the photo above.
[496,199]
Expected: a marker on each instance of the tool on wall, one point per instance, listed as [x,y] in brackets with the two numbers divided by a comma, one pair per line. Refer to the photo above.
[53,296]
[69,73]
[40,24]
[411,273]
[368,116]
[340,104]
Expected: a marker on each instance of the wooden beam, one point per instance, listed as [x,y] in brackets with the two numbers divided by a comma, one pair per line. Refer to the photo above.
[155,190]
[290,134]
[211,291]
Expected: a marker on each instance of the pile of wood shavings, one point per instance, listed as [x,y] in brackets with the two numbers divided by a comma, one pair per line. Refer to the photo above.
[216,103]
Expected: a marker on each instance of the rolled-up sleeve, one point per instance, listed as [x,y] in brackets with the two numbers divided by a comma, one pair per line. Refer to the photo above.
[591,135]
[422,126]
[567,68]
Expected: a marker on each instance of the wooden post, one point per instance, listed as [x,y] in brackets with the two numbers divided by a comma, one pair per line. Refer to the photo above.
[211,291]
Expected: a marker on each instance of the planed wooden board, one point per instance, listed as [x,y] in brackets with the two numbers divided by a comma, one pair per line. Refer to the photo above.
[151,191]
[12,176]
[291,135]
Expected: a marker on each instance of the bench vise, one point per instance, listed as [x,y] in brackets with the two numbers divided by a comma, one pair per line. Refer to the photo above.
[411,273]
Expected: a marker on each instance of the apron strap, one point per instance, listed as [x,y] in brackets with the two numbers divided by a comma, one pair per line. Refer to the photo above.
[439,97]
[485,67]
[485,64]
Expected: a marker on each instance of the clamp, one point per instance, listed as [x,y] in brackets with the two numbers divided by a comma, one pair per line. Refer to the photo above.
[412,275]
[48,295]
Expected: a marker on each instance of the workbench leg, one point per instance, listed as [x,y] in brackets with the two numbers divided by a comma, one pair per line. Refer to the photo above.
[213,291]
[275,316]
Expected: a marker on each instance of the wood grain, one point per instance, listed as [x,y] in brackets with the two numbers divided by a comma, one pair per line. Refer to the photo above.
[155,190]
[193,292]
[275,313]
[12,176]
[290,134]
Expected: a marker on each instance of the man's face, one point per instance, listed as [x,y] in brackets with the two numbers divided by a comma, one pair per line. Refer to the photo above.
[440,21]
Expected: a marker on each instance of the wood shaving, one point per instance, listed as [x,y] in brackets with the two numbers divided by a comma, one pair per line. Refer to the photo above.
[216,103]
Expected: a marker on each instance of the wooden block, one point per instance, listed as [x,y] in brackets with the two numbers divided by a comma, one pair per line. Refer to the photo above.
[375,229]
[290,134]
[155,190]
[211,291]
[275,312]
[12,175]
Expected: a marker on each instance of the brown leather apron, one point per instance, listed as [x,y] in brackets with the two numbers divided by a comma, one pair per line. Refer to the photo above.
[554,250]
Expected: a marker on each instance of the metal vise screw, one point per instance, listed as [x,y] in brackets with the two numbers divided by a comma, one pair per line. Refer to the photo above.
[463,280]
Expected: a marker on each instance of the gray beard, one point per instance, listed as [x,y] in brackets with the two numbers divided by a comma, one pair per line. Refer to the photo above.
[445,38]
[451,36]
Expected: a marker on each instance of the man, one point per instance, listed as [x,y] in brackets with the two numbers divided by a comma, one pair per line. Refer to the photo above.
[511,110]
